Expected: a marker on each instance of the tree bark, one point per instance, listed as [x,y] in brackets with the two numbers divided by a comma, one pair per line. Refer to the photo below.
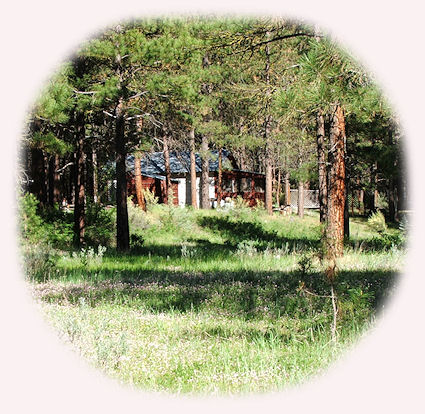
[267,138]
[321,162]
[287,190]
[95,178]
[392,201]
[205,182]
[38,175]
[79,188]
[168,188]
[269,181]
[123,232]
[193,197]
[374,179]
[278,190]
[336,206]
[300,211]
[361,202]
[138,181]
[220,176]
[346,211]
[54,182]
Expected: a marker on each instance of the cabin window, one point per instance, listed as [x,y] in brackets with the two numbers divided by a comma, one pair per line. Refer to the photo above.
[245,184]
[228,185]
[259,185]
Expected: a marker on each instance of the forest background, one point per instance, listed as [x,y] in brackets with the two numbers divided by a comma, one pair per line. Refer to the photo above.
[407,50]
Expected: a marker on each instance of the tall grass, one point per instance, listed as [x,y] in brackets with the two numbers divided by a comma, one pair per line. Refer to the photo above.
[216,302]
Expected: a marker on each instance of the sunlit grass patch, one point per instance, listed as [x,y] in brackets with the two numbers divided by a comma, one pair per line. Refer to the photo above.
[191,352]
[216,302]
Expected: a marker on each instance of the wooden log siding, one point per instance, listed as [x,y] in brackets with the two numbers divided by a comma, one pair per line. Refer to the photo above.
[250,196]
[154,185]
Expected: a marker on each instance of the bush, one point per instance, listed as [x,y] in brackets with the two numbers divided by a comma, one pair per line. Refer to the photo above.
[150,198]
[377,222]
[137,218]
[136,241]
[39,262]
[90,255]
[100,225]
[31,225]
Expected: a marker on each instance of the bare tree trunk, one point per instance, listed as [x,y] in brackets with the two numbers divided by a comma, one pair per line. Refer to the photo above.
[53,180]
[361,201]
[269,182]
[166,152]
[267,138]
[71,187]
[321,160]
[287,190]
[336,206]
[346,212]
[193,169]
[56,182]
[300,211]
[123,231]
[278,190]
[79,199]
[220,176]
[374,179]
[205,182]
[138,181]
[38,171]
[392,200]
[95,178]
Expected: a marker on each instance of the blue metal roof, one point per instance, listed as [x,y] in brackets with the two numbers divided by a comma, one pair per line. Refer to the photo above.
[153,164]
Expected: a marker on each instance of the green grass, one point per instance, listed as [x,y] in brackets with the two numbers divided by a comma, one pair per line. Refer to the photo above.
[216,302]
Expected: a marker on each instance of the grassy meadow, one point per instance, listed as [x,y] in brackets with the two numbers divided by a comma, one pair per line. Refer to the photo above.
[211,302]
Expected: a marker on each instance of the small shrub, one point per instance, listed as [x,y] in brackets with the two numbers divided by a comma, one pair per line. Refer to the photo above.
[305,263]
[137,218]
[136,241]
[39,262]
[377,222]
[100,225]
[150,198]
[32,226]
[247,247]
[240,203]
[89,255]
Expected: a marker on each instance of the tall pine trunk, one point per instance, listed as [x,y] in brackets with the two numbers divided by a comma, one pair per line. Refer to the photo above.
[269,181]
[267,138]
[336,206]
[193,200]
[278,190]
[220,176]
[138,181]
[300,203]
[287,190]
[95,178]
[205,182]
[54,182]
[166,152]
[123,232]
[374,182]
[392,200]
[79,188]
[321,161]
[346,209]
[38,176]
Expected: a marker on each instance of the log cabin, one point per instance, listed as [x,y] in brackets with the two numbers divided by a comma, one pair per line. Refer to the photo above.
[235,182]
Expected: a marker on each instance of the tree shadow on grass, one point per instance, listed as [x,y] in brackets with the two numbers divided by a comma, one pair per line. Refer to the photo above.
[237,231]
[243,294]
[204,249]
